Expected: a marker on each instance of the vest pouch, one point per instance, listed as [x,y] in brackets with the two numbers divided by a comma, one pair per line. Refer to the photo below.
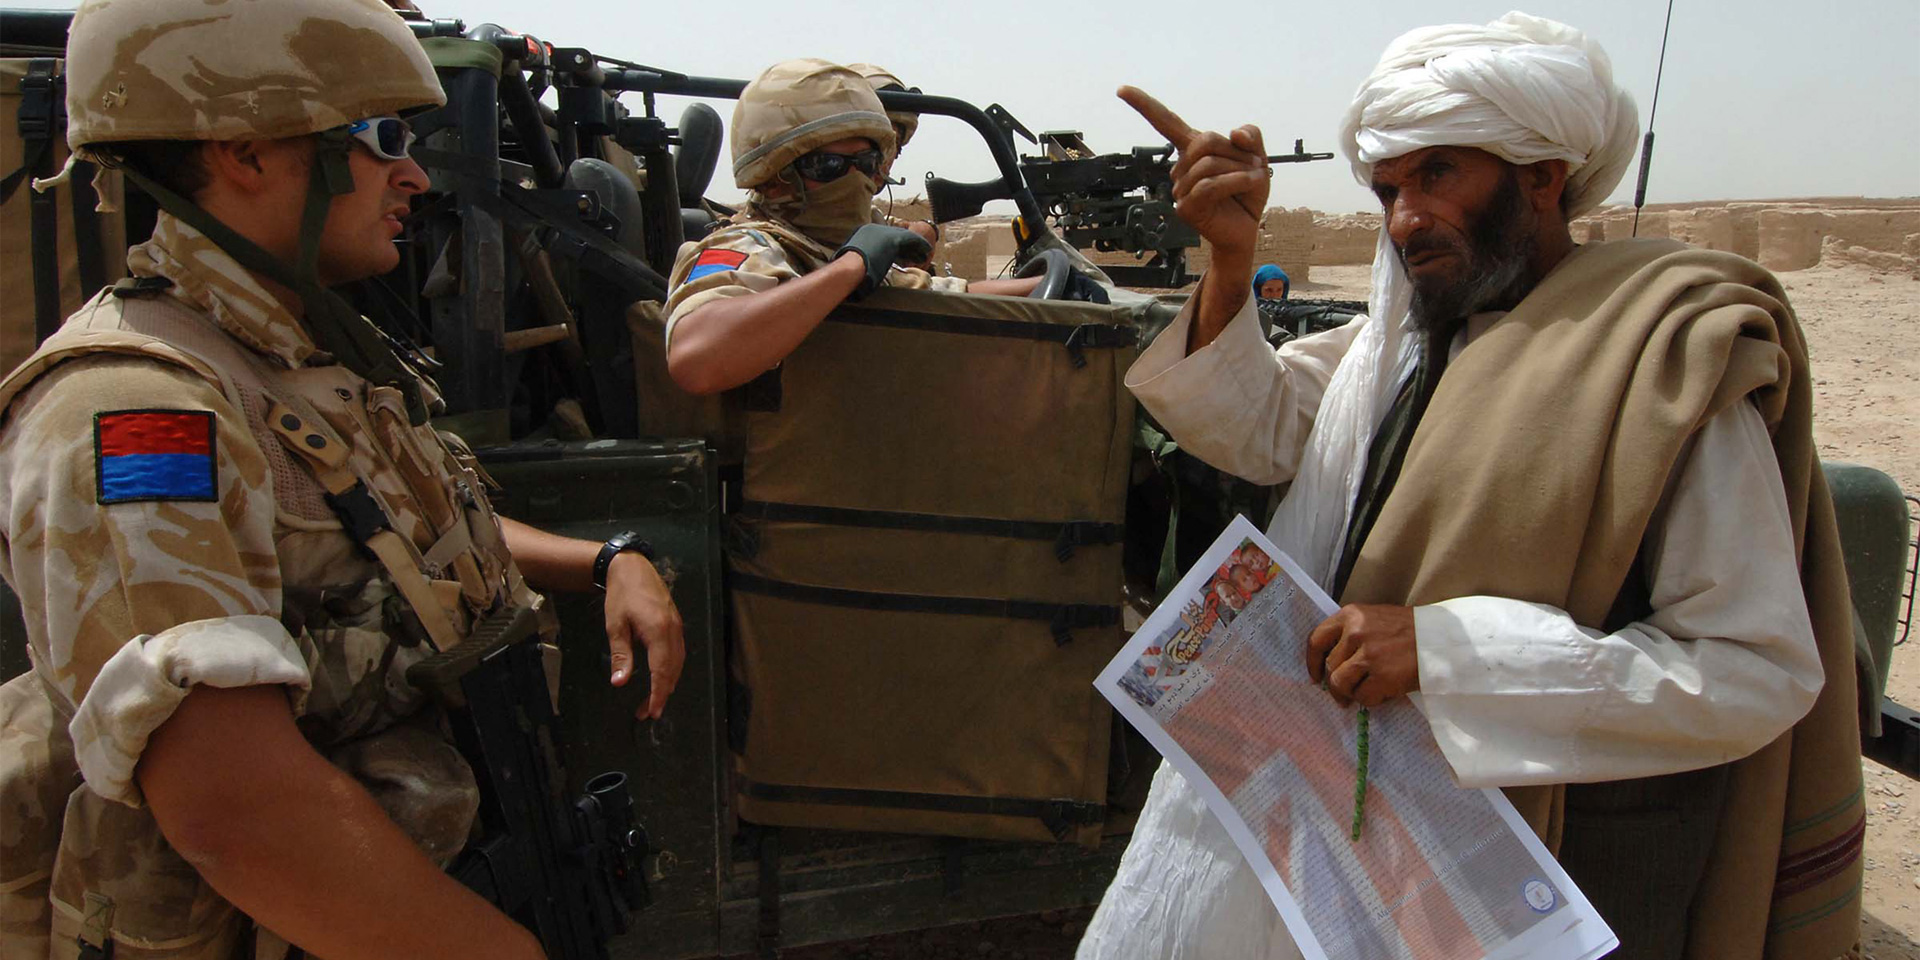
[115,868]
[420,466]
[37,773]
[929,573]
[358,641]
[448,495]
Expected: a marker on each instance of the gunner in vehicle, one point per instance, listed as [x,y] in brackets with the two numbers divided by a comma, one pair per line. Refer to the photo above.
[810,144]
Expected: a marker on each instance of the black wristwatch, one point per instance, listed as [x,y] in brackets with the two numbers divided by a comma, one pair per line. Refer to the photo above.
[617,544]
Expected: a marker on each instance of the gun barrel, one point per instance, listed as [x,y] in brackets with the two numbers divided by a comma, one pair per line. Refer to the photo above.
[1298,157]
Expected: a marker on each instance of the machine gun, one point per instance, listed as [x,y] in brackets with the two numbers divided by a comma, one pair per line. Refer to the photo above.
[567,870]
[1107,202]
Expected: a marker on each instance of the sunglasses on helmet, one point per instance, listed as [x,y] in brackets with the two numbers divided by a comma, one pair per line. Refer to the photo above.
[389,138]
[823,167]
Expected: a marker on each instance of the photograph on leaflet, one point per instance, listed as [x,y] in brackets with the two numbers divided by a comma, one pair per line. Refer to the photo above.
[1216,679]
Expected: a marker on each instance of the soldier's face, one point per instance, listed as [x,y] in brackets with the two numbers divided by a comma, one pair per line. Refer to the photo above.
[361,226]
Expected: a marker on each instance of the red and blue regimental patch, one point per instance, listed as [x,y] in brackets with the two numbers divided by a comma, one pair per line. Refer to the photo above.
[154,455]
[711,262]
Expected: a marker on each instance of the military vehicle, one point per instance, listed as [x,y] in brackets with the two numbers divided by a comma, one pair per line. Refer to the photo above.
[901,557]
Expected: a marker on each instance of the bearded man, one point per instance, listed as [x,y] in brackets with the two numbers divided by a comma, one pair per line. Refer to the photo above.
[1566,493]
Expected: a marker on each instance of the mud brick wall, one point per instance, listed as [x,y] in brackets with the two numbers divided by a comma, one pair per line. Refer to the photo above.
[1791,238]
[1780,234]
[1287,239]
[1345,240]
[1708,228]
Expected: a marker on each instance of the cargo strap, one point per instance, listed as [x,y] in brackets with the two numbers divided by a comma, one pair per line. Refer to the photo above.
[1078,338]
[365,521]
[42,105]
[42,119]
[1065,535]
[1059,816]
[1063,617]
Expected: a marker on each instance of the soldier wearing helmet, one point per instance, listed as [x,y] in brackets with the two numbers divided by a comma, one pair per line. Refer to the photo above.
[216,751]
[810,142]
[904,124]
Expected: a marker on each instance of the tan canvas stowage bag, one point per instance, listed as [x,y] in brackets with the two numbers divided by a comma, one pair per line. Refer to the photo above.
[38,148]
[926,569]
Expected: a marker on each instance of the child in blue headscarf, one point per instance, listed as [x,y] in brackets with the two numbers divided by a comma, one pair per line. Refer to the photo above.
[1270,286]
[1263,281]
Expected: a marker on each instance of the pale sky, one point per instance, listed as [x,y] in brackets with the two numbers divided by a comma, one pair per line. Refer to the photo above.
[1761,98]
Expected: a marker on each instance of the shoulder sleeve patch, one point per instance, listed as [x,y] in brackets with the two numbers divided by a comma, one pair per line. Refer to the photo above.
[714,261]
[154,455]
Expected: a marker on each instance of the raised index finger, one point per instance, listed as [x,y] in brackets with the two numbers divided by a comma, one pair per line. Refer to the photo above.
[1164,120]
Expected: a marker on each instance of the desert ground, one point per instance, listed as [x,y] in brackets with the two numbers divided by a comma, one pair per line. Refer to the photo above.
[1862,321]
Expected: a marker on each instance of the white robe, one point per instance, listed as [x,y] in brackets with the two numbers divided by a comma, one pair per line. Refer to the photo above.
[1548,700]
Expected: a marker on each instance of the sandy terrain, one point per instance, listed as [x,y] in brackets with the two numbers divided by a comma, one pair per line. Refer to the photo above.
[1863,329]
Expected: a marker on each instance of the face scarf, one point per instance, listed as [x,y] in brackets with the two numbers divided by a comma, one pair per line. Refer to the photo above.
[829,213]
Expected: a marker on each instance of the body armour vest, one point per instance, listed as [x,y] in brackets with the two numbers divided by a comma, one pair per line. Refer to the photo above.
[84,870]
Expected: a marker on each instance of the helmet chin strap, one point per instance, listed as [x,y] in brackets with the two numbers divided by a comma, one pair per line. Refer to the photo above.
[334,324]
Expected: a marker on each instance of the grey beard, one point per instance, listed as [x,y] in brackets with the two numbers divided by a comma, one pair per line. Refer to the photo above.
[1500,282]
[1496,272]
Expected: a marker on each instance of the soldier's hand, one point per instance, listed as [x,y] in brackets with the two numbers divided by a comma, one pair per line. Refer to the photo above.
[640,606]
[1365,654]
[1220,180]
[881,247]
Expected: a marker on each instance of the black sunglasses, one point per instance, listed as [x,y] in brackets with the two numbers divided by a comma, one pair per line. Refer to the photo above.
[823,167]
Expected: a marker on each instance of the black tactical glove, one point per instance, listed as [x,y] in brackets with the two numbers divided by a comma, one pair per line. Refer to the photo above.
[1085,289]
[882,247]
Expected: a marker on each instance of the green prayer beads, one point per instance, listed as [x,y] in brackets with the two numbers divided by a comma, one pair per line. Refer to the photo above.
[1360,782]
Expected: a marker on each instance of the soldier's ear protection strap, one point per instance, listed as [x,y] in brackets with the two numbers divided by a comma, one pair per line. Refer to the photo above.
[330,176]
[336,327]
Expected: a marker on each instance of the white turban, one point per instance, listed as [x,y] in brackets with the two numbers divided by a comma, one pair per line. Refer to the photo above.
[1521,88]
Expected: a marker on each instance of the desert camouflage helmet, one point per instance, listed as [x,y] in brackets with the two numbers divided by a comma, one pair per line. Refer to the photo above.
[883,79]
[238,70]
[797,107]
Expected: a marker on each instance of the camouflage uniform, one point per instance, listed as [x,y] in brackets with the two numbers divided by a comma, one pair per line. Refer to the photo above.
[131,603]
[245,575]
[770,253]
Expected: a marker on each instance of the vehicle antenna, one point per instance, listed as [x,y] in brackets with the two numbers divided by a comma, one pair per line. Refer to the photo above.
[1646,145]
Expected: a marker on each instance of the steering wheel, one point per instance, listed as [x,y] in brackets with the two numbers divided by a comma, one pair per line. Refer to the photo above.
[1052,286]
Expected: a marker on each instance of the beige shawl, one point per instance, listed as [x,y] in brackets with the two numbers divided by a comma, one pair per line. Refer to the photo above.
[1534,475]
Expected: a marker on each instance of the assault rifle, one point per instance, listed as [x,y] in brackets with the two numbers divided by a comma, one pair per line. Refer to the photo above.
[1107,202]
[566,869]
